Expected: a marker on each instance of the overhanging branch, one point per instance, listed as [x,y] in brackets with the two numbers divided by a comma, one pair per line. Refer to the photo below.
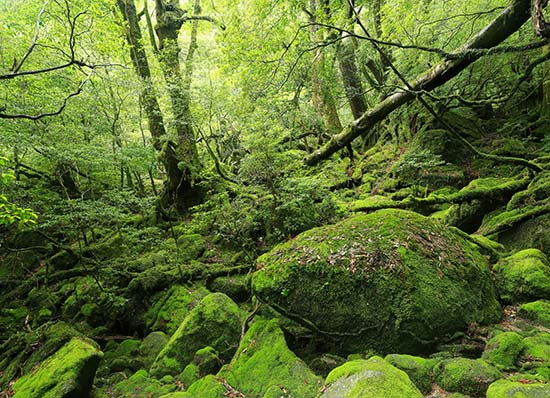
[509,21]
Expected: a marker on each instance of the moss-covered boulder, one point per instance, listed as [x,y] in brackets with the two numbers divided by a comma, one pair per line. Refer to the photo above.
[528,229]
[392,281]
[141,385]
[215,321]
[237,287]
[151,346]
[522,276]
[503,350]
[373,378]
[170,307]
[263,362]
[23,351]
[205,362]
[69,373]
[538,311]
[536,352]
[466,376]
[417,368]
[511,389]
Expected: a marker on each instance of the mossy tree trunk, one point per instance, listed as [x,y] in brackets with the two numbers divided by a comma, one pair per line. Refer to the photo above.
[155,118]
[170,18]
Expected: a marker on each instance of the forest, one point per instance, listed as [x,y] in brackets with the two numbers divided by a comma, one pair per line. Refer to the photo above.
[274,199]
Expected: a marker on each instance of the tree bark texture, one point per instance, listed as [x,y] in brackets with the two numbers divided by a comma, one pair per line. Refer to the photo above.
[161,143]
[509,21]
[170,18]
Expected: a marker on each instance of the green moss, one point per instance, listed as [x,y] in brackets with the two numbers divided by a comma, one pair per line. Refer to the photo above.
[537,350]
[263,360]
[151,346]
[418,369]
[68,373]
[207,387]
[172,306]
[205,361]
[141,385]
[120,357]
[392,281]
[373,378]
[215,321]
[537,192]
[510,389]
[237,287]
[503,350]
[190,247]
[467,376]
[538,311]
[524,275]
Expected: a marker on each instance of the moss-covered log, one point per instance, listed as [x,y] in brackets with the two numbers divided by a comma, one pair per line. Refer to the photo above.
[484,192]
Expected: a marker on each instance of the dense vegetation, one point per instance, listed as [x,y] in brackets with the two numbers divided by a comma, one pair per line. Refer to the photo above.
[262,198]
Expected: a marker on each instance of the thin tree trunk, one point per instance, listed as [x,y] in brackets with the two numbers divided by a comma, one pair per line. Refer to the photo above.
[509,21]
[321,97]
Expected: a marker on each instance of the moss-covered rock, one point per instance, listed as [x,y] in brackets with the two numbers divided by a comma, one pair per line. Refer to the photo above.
[325,363]
[530,231]
[466,376]
[69,373]
[538,311]
[151,346]
[125,355]
[170,307]
[263,361]
[237,287]
[215,321]
[205,362]
[468,215]
[392,281]
[537,351]
[23,351]
[524,275]
[190,247]
[418,369]
[503,350]
[141,385]
[511,389]
[373,378]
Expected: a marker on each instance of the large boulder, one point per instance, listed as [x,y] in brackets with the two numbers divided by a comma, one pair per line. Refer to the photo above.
[392,281]
[69,373]
[264,366]
[215,321]
[373,378]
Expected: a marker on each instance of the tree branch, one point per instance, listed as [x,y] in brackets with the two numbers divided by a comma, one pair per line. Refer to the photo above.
[509,21]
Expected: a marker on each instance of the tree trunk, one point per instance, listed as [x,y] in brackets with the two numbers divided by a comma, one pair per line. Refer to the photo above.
[170,18]
[150,102]
[350,74]
[321,97]
[509,21]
